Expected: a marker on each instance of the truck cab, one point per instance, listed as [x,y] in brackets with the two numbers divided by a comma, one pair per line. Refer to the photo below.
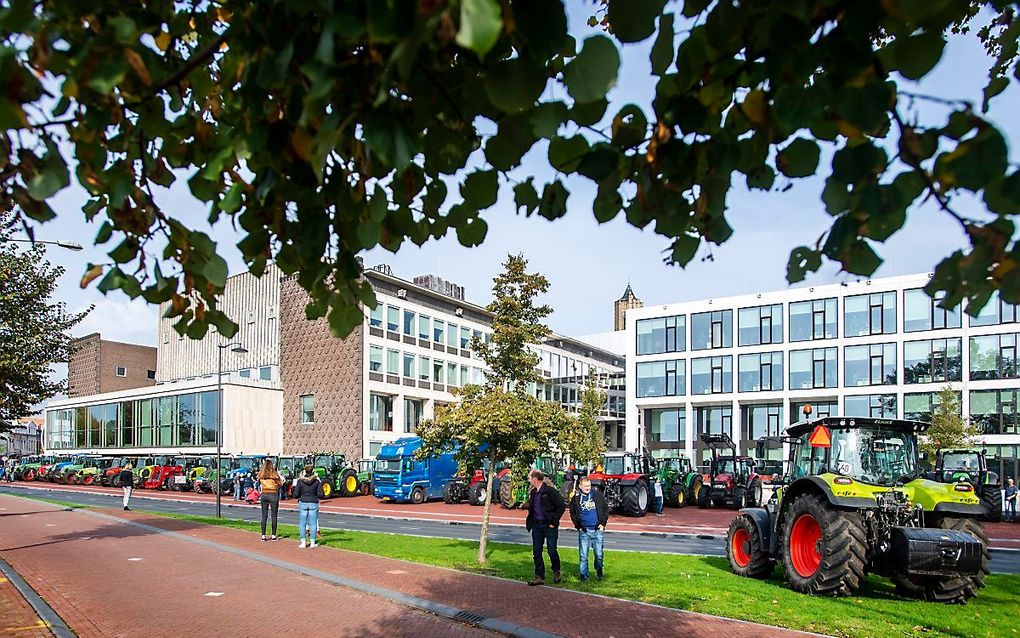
[402,478]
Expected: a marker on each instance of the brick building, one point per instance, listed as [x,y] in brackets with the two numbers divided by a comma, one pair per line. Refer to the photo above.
[96,366]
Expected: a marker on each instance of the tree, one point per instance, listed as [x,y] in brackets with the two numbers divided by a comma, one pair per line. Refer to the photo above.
[948,429]
[324,129]
[34,331]
[585,436]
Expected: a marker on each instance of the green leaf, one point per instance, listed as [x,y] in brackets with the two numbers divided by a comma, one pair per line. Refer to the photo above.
[973,163]
[685,247]
[481,22]
[472,232]
[694,7]
[124,29]
[662,51]
[590,113]
[389,138]
[914,56]
[762,179]
[542,24]
[860,258]
[513,139]
[802,261]
[547,118]
[799,158]
[515,85]
[565,154]
[108,74]
[47,183]
[608,203]
[526,197]
[369,232]
[591,75]
[630,126]
[480,189]
[553,204]
[1003,195]
[600,162]
[633,20]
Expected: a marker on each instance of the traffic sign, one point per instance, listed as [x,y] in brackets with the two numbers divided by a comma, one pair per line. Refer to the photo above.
[820,437]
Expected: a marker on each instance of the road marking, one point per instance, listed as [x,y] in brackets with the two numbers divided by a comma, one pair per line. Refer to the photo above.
[396,572]
[85,538]
[50,525]
[213,593]
[134,559]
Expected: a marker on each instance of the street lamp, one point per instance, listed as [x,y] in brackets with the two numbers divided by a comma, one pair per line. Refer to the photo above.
[239,349]
[70,245]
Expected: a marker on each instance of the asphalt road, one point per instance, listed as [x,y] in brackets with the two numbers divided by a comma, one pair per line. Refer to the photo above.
[1003,561]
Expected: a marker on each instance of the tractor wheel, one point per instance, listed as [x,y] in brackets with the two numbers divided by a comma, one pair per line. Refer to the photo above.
[635,499]
[739,498]
[991,497]
[28,475]
[567,490]
[824,548]
[949,589]
[694,491]
[754,493]
[506,495]
[477,494]
[115,482]
[328,490]
[677,497]
[365,488]
[704,495]
[744,549]
[450,494]
[418,495]
[88,479]
[348,484]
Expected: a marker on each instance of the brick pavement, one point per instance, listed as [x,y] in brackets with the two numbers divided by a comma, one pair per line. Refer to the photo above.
[17,618]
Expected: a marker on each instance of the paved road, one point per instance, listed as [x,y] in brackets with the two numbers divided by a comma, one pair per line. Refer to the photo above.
[1003,561]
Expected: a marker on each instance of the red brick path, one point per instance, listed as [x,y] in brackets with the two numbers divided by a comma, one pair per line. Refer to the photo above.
[17,618]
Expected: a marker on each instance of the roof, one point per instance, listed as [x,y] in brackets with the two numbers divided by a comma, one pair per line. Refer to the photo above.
[843,422]
[629,292]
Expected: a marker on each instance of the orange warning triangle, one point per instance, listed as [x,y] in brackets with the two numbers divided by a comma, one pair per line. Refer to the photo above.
[820,437]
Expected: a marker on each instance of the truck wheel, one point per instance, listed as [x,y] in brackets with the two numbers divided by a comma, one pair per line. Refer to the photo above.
[418,495]
[739,498]
[704,495]
[450,494]
[754,493]
[744,549]
[477,494]
[506,494]
[328,491]
[991,497]
[635,499]
[348,484]
[824,548]
[677,498]
[950,589]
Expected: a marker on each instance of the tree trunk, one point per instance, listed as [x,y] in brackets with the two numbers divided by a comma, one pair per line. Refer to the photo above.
[483,540]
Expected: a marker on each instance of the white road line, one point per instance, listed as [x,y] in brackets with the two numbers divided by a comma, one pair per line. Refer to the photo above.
[135,559]
[213,593]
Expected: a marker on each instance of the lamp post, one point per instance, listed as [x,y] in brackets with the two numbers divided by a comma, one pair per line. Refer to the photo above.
[70,245]
[239,349]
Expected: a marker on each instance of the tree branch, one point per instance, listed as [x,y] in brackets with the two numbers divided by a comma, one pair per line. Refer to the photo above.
[194,61]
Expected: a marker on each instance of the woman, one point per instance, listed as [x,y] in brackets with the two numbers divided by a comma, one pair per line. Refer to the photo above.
[308,491]
[270,481]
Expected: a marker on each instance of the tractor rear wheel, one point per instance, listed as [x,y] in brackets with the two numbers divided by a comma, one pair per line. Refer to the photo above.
[823,548]
[677,497]
[28,475]
[348,483]
[739,498]
[991,497]
[567,490]
[477,494]
[328,490]
[451,495]
[635,499]
[949,589]
[694,492]
[365,488]
[748,557]
[506,494]
[704,496]
[754,493]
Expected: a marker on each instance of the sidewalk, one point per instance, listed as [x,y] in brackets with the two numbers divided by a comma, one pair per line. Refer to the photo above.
[17,618]
[81,562]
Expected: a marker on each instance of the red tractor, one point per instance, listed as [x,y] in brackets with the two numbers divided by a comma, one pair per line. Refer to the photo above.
[472,490]
[623,478]
[731,479]
[163,474]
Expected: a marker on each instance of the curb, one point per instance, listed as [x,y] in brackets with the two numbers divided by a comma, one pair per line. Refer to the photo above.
[53,621]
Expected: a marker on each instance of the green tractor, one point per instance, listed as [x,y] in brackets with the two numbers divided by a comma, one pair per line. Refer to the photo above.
[366,470]
[855,501]
[338,477]
[954,466]
[681,483]
[514,494]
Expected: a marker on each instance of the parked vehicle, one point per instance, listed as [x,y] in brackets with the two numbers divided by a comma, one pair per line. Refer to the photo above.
[624,481]
[400,477]
[731,479]
[289,467]
[366,469]
[338,477]
[57,472]
[954,466]
[681,483]
[89,474]
[67,473]
[855,501]
[110,477]
[157,475]
[28,466]
[45,468]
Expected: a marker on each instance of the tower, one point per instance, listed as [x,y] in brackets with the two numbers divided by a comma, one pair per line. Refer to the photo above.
[627,302]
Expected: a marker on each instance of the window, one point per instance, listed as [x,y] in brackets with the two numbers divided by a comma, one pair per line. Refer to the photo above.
[409,323]
[451,335]
[393,362]
[209,415]
[121,371]
[818,409]
[921,312]
[994,411]
[392,318]
[408,365]
[375,356]
[995,311]
[424,368]
[760,324]
[666,426]
[712,375]
[712,330]
[760,372]
[715,419]
[933,361]
[760,420]
[438,331]
[662,378]
[251,317]
[150,375]
[424,327]
[993,357]
[813,368]
[308,408]
[451,373]
[244,374]
[380,412]
[879,406]
[375,318]
[662,334]
[412,414]
[869,365]
[465,337]
[266,373]
[813,320]
[187,419]
[873,314]
[437,371]
[464,380]
[918,406]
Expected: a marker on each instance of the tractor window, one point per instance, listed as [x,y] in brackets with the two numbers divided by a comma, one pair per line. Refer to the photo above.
[726,466]
[614,465]
[323,460]
[874,455]
[807,460]
[965,461]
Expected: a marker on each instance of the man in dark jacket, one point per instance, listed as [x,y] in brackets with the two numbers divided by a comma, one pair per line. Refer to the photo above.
[589,514]
[127,480]
[545,507]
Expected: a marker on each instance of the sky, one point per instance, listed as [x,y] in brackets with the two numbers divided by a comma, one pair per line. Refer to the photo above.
[589,265]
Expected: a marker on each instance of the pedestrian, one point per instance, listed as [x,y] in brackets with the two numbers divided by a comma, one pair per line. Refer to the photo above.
[589,514]
[1010,500]
[270,481]
[657,490]
[308,491]
[127,481]
[237,486]
[545,507]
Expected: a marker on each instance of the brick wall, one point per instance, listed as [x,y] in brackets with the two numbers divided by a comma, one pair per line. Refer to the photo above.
[313,361]
[83,366]
[92,366]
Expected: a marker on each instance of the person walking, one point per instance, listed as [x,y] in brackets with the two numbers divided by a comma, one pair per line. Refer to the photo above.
[237,486]
[308,491]
[270,480]
[589,514]
[657,490]
[545,507]
[1010,500]
[127,481]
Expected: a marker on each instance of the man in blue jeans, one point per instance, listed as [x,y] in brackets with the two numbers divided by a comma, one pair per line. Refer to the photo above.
[545,507]
[589,514]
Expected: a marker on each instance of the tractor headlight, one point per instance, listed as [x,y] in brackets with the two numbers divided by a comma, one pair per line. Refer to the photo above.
[964,487]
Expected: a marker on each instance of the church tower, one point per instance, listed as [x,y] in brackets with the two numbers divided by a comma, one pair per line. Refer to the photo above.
[627,302]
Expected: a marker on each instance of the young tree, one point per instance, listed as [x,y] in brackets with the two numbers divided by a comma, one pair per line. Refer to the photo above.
[34,331]
[948,429]
[584,436]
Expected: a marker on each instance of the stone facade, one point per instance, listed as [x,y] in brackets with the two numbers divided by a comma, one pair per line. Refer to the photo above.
[628,301]
[314,362]
[94,363]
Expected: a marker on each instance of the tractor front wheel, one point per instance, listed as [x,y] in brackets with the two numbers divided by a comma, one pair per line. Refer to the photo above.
[704,496]
[635,499]
[739,498]
[754,493]
[477,494]
[349,483]
[506,495]
[328,491]
[748,557]
[451,495]
[677,498]
[824,548]
[28,475]
[365,488]
[949,589]
[991,497]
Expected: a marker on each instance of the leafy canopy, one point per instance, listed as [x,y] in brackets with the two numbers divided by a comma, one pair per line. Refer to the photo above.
[323,129]
[948,429]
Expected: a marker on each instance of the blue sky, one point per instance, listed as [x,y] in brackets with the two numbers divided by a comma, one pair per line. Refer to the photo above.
[587,264]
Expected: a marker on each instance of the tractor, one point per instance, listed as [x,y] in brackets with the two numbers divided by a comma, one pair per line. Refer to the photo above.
[366,469]
[855,501]
[72,474]
[289,468]
[90,473]
[472,489]
[624,479]
[144,467]
[61,471]
[338,477]
[513,495]
[731,478]
[681,484]
[27,467]
[158,475]
[111,473]
[953,466]
[43,473]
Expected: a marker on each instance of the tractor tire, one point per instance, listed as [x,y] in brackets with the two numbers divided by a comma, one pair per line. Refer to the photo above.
[635,499]
[755,493]
[365,488]
[748,557]
[739,498]
[506,495]
[676,497]
[836,570]
[450,494]
[567,490]
[477,494]
[115,481]
[953,589]
[704,496]
[328,489]
[88,479]
[991,497]
[348,483]
[418,496]
[694,492]
[28,475]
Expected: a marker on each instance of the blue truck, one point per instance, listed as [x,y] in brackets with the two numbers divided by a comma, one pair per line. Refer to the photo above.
[401,478]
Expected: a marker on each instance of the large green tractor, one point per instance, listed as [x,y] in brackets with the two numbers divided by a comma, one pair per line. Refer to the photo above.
[338,477]
[366,470]
[954,466]
[29,469]
[513,494]
[855,501]
[681,483]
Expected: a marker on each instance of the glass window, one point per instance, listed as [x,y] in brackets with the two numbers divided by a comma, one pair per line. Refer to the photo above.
[451,335]
[392,318]
[165,412]
[393,362]
[921,312]
[918,406]
[869,365]
[451,374]
[424,368]
[712,419]
[667,426]
[872,314]
[266,373]
[662,378]
[662,334]
[437,371]
[818,409]
[879,406]
[811,320]
[380,413]
[712,330]
[375,357]
[439,331]
[760,324]
[994,411]
[244,374]
[412,414]
[308,408]
[209,416]
[993,357]
[409,323]
[994,312]
[465,337]
[408,365]
[126,416]
[760,372]
[464,379]
[765,419]
[712,375]
[424,327]
[813,368]
[187,418]
[145,422]
[936,360]
[375,318]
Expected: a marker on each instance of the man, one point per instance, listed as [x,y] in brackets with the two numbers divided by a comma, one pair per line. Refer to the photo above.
[1010,500]
[658,496]
[127,478]
[589,514]
[545,507]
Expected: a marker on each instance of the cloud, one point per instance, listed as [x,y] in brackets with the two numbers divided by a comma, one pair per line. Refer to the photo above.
[130,321]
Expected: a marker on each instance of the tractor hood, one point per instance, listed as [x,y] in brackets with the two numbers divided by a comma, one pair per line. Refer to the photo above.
[932,496]
[725,477]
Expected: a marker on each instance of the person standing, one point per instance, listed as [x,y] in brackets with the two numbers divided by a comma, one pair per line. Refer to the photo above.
[657,489]
[237,486]
[589,514]
[127,480]
[545,507]
[269,480]
[308,491]
[1011,497]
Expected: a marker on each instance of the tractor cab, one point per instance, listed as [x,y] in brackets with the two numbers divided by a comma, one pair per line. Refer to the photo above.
[619,464]
[732,479]
[623,478]
[970,466]
[338,477]
[681,483]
